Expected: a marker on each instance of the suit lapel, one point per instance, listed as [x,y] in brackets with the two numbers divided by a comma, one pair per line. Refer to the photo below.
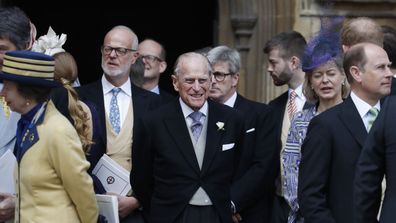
[352,120]
[213,137]
[177,127]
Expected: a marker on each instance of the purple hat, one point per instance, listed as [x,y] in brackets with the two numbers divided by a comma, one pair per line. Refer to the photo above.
[323,47]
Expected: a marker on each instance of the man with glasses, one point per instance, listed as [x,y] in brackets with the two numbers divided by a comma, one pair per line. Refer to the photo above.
[253,183]
[153,55]
[120,103]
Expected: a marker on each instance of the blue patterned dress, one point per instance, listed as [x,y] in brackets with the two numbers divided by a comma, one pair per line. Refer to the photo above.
[291,157]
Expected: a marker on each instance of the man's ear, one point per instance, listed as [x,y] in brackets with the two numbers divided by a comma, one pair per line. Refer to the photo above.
[235,79]
[295,62]
[175,82]
[355,73]
[162,66]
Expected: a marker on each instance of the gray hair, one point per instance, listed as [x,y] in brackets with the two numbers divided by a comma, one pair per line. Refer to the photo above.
[227,55]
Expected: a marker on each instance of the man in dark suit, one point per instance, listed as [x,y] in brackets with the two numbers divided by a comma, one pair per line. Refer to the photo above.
[119,103]
[154,57]
[377,158]
[252,188]
[335,138]
[390,48]
[285,51]
[184,164]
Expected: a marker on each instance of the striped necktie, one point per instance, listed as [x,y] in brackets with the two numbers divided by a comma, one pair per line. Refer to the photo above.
[372,115]
[291,105]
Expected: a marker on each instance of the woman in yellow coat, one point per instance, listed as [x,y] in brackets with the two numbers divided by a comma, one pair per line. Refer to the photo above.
[52,180]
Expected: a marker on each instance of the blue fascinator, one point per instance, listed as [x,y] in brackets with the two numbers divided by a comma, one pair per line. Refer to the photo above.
[323,47]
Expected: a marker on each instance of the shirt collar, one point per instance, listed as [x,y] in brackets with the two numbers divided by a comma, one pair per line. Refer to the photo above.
[187,110]
[155,90]
[362,106]
[231,101]
[125,87]
[298,91]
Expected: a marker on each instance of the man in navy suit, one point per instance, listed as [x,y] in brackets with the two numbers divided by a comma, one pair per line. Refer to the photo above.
[285,51]
[118,111]
[186,152]
[376,160]
[335,138]
[252,189]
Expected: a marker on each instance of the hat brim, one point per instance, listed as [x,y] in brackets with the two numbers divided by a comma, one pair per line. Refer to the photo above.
[36,81]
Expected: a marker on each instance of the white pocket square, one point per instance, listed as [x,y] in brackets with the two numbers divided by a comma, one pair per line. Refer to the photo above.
[228,146]
[250,130]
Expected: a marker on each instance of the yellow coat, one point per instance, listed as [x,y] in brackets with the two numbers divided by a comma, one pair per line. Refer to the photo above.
[52,180]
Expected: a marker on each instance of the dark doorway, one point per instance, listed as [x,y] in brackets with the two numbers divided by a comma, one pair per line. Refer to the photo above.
[181,26]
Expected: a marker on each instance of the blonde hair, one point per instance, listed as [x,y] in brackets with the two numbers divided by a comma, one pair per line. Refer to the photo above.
[66,73]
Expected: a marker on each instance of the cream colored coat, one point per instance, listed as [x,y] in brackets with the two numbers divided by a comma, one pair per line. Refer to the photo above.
[54,185]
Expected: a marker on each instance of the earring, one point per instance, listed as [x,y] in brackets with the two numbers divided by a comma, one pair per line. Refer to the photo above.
[27,103]
[343,83]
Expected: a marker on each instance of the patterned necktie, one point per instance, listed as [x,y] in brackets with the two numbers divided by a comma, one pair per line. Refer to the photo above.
[291,106]
[372,115]
[115,111]
[196,126]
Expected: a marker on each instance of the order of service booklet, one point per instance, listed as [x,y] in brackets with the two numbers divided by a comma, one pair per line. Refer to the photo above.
[114,177]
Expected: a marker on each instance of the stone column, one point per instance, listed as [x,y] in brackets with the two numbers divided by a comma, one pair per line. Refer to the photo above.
[243,20]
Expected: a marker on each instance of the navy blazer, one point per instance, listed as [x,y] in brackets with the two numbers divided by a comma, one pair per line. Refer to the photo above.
[378,157]
[253,186]
[329,155]
[166,173]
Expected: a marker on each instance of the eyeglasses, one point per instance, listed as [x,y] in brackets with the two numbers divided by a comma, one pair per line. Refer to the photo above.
[120,51]
[219,76]
[151,58]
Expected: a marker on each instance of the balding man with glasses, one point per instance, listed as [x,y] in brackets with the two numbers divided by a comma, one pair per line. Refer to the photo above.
[119,103]
[154,58]
[252,188]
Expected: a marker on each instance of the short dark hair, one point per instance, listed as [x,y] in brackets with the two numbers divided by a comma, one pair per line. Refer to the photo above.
[290,44]
[390,43]
[15,26]
[355,56]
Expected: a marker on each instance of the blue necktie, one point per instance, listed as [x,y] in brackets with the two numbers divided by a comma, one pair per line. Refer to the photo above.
[115,111]
[196,126]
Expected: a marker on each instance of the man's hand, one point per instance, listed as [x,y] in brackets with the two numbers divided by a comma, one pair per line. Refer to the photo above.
[126,205]
[236,218]
[7,206]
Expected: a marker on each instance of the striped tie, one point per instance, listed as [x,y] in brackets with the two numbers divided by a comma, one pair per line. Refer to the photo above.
[372,115]
[291,105]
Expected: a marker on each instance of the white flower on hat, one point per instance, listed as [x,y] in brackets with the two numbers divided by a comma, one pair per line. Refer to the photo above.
[50,44]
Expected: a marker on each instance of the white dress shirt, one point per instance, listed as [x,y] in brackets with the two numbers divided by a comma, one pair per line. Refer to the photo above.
[363,108]
[123,98]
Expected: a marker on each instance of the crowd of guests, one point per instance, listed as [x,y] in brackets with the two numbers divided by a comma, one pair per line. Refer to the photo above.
[317,153]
